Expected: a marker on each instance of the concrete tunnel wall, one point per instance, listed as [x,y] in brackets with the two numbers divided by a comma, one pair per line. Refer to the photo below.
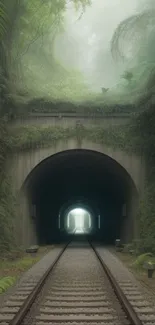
[25,163]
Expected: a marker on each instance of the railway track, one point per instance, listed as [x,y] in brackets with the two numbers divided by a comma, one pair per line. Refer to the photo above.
[76,289]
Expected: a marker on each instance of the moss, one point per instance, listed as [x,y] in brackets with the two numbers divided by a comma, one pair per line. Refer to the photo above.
[13,265]
[25,138]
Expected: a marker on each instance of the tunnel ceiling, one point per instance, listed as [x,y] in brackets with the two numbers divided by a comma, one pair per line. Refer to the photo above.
[78,173]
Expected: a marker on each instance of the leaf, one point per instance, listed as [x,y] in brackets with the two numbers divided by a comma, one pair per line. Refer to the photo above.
[5,283]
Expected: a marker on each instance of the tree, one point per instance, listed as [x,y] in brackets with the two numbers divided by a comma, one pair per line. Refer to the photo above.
[34,69]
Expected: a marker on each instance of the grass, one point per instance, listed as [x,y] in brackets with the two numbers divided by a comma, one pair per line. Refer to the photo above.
[12,267]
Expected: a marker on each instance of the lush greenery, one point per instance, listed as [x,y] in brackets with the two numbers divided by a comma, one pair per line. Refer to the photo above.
[7,199]
[36,73]
[128,138]
[146,132]
[25,138]
[141,259]
[88,107]
[29,70]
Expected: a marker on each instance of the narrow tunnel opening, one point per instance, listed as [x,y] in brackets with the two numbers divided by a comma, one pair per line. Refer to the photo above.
[71,180]
[78,221]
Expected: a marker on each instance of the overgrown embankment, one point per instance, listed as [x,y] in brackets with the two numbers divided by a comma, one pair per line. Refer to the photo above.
[16,263]
[7,200]
[145,131]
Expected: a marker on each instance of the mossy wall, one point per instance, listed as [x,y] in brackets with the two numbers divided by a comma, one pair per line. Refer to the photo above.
[126,138]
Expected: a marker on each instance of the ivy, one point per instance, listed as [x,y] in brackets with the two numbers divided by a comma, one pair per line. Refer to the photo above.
[34,71]
[7,199]
[26,138]
[32,137]
[128,138]
[145,132]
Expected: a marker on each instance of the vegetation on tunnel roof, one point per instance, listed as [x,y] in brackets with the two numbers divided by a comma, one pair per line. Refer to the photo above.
[87,107]
[31,71]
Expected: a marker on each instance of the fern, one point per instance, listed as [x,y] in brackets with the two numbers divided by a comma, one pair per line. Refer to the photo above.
[6,282]
[142,258]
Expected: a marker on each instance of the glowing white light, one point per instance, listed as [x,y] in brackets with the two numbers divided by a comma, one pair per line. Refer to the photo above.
[79,216]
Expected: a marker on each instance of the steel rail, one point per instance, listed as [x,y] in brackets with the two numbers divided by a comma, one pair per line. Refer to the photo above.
[129,310]
[18,318]
[127,307]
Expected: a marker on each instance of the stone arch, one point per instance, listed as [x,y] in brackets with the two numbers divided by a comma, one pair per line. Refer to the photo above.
[26,164]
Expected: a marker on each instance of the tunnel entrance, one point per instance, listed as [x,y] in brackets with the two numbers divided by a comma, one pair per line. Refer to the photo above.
[76,179]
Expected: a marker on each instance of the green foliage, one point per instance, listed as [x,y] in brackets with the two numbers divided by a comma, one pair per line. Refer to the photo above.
[3,20]
[35,71]
[136,35]
[146,219]
[115,136]
[143,129]
[24,138]
[6,282]
[7,200]
[25,263]
[37,18]
[4,27]
[141,259]
[13,266]
[129,137]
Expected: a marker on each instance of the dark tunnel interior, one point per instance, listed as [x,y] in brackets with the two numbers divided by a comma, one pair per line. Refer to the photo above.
[81,178]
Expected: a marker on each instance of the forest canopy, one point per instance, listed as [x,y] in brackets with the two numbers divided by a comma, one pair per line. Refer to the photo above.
[44,58]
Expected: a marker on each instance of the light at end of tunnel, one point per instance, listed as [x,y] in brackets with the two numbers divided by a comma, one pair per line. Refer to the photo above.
[79,221]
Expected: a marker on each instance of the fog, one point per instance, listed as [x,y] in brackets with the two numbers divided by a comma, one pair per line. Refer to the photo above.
[87,38]
[68,55]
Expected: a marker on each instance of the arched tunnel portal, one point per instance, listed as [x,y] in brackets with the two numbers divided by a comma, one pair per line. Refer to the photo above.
[80,177]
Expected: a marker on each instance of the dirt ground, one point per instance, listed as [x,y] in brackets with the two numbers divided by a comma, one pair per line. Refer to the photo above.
[13,267]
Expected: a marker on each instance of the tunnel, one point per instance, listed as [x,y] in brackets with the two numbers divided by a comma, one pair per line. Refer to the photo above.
[84,179]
